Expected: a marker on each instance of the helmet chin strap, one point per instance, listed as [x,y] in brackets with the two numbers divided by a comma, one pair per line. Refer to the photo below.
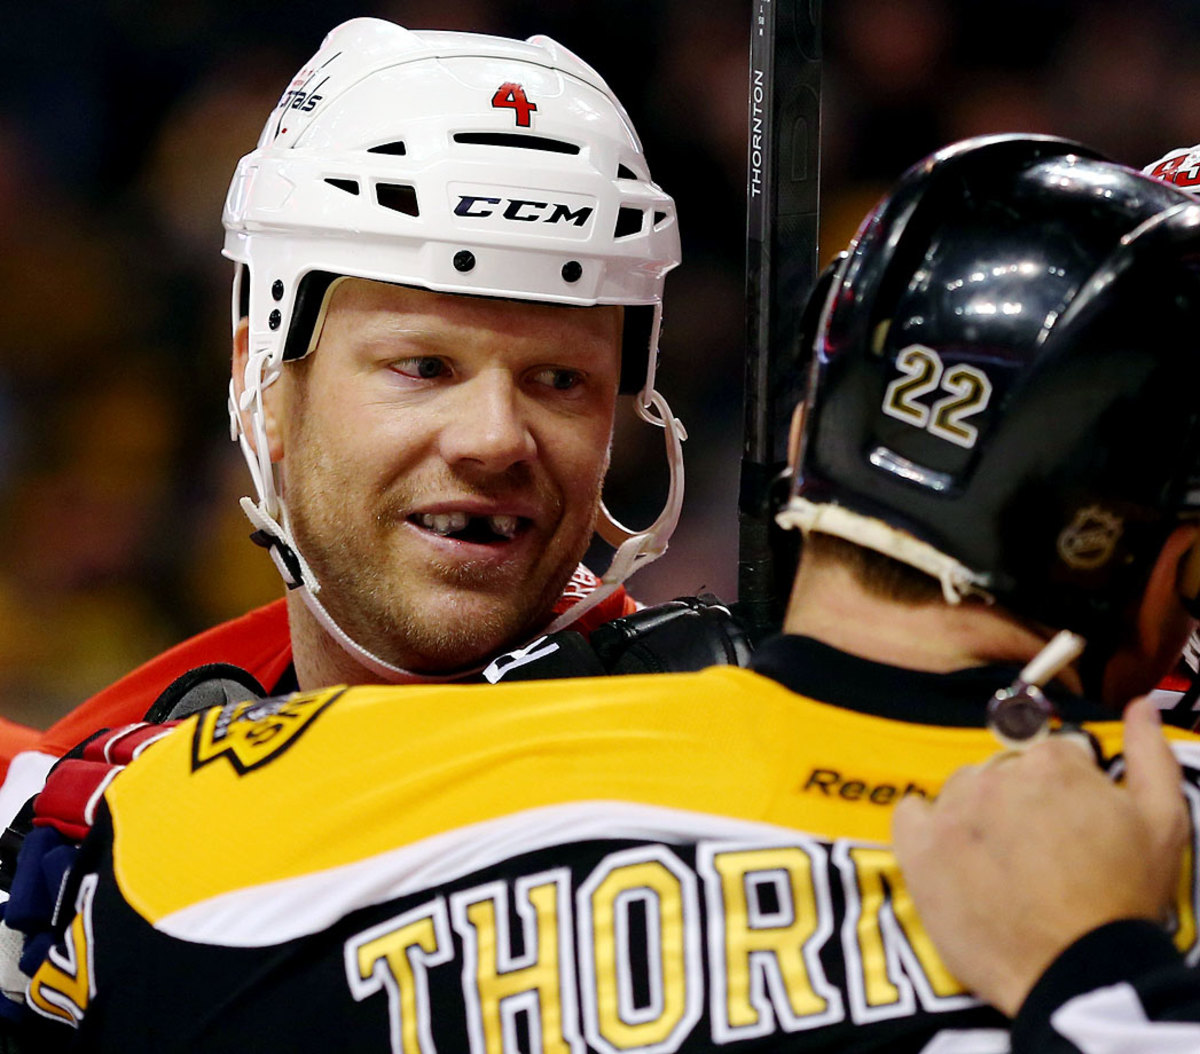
[380,667]
[269,517]
[634,549]
[298,575]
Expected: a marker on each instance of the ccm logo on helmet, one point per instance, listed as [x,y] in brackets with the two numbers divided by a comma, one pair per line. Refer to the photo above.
[522,210]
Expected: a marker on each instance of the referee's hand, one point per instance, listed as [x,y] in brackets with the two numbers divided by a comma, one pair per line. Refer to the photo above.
[1022,855]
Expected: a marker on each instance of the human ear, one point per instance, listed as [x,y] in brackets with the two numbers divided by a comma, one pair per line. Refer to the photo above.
[1188,580]
[271,397]
[1161,622]
[1164,619]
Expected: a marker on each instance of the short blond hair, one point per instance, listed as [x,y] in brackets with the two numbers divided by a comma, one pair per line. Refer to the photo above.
[878,574]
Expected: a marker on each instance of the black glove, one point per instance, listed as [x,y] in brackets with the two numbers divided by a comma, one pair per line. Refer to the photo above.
[680,636]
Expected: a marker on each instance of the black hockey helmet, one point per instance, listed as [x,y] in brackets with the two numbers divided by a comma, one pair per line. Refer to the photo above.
[1005,386]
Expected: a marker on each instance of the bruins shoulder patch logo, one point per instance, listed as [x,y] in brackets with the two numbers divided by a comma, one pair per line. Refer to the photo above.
[253,733]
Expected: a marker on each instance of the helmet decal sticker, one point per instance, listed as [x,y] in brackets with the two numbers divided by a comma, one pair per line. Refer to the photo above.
[1089,541]
[302,95]
[524,210]
[512,96]
[920,371]
[296,99]
[1180,167]
[969,391]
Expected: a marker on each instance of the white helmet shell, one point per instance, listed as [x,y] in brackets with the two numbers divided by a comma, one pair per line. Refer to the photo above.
[451,161]
[454,162]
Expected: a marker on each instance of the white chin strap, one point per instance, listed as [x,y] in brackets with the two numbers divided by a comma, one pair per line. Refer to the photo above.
[635,549]
[957,580]
[298,575]
[272,530]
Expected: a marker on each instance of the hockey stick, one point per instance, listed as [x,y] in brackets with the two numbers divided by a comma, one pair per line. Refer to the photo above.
[783,184]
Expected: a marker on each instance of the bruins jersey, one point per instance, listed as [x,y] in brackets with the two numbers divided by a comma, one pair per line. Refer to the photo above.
[651,864]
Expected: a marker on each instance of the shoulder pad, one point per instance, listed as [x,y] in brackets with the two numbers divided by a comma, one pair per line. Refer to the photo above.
[212,684]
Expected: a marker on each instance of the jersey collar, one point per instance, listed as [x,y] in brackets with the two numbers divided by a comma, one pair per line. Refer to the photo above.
[957,699]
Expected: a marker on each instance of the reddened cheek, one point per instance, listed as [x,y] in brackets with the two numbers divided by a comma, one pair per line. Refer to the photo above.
[273,420]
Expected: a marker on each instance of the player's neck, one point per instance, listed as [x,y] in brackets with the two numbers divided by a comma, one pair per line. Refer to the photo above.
[830,605]
[319,660]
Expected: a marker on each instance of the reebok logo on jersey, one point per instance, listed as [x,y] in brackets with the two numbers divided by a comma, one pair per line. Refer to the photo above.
[834,784]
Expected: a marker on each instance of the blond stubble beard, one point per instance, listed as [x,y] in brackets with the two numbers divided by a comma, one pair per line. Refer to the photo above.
[361,593]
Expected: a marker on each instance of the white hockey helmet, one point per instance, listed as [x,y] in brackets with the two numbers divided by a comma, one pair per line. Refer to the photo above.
[458,163]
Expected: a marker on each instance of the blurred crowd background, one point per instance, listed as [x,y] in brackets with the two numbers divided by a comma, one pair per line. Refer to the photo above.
[121,122]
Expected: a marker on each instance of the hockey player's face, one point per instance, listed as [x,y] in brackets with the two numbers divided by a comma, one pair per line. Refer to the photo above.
[442,458]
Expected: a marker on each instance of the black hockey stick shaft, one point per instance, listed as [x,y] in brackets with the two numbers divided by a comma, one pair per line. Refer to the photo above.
[783,196]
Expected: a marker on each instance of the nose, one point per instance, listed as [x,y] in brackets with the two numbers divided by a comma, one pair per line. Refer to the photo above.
[488,426]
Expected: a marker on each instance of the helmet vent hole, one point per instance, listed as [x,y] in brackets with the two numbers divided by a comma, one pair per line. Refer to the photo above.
[658,218]
[350,186]
[397,148]
[629,221]
[399,197]
[625,172]
[517,140]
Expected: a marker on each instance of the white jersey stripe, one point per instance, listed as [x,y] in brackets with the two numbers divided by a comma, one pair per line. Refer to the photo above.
[273,912]
[1111,1021]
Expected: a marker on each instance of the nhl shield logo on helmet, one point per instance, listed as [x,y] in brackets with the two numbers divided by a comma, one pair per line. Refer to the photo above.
[1090,539]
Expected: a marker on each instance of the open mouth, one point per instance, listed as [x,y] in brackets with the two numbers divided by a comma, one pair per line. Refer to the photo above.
[466,528]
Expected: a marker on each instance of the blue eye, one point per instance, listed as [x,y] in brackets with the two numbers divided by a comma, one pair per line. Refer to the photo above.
[561,380]
[424,367]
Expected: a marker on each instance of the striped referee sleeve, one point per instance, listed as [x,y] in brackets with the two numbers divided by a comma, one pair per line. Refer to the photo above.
[1121,989]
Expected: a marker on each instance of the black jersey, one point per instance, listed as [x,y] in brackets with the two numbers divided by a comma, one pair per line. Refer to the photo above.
[669,863]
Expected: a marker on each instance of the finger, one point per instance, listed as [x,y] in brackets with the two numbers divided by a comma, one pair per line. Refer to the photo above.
[961,786]
[911,821]
[1064,752]
[1003,756]
[1079,740]
[1152,773]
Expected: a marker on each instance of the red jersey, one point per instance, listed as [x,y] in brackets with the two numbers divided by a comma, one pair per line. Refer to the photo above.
[259,642]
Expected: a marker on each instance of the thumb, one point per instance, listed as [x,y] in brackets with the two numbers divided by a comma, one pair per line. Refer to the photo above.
[1152,773]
